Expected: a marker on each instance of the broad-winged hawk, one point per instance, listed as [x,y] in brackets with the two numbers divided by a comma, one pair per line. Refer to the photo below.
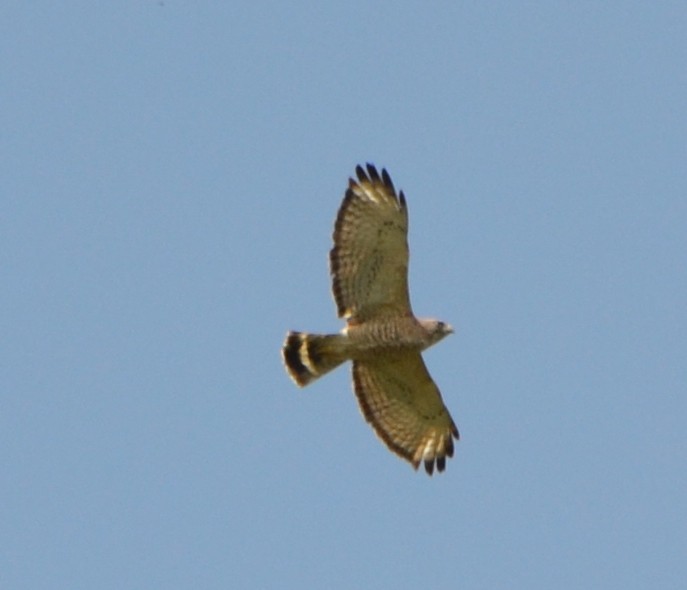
[382,337]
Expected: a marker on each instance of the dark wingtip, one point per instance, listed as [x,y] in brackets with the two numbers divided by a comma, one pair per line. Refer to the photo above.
[372,172]
[429,466]
[386,179]
[449,447]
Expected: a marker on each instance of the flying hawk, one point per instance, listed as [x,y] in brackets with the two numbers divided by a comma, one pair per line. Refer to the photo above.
[382,337]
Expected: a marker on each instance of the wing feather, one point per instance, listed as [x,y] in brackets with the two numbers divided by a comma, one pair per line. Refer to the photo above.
[369,260]
[398,397]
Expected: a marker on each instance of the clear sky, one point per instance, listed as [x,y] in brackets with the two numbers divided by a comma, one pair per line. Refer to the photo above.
[169,176]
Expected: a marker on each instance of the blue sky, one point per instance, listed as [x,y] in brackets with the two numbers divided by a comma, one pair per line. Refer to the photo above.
[170,173]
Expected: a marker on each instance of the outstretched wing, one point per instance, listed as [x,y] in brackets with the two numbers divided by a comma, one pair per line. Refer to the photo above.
[397,396]
[369,260]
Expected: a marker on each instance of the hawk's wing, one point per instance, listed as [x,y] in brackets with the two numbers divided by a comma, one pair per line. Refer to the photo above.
[398,397]
[369,260]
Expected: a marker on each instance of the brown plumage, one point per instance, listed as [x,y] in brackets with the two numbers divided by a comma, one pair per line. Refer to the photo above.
[369,268]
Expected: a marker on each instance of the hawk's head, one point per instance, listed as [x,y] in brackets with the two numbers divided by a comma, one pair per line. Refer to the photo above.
[436,330]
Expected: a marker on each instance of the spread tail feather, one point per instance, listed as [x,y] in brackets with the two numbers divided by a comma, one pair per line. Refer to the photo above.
[309,356]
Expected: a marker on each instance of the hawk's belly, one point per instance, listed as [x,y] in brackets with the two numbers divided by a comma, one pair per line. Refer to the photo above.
[386,335]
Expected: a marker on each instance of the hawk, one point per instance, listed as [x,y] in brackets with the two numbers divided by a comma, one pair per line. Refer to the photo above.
[382,337]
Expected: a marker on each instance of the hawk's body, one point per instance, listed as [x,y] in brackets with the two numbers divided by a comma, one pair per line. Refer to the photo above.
[369,267]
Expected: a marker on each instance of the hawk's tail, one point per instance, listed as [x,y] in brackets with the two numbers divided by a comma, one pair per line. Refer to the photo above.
[309,356]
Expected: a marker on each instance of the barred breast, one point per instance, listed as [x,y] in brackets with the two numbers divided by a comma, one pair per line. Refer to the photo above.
[387,334]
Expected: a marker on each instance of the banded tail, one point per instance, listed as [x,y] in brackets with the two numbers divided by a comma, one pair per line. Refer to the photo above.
[309,356]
